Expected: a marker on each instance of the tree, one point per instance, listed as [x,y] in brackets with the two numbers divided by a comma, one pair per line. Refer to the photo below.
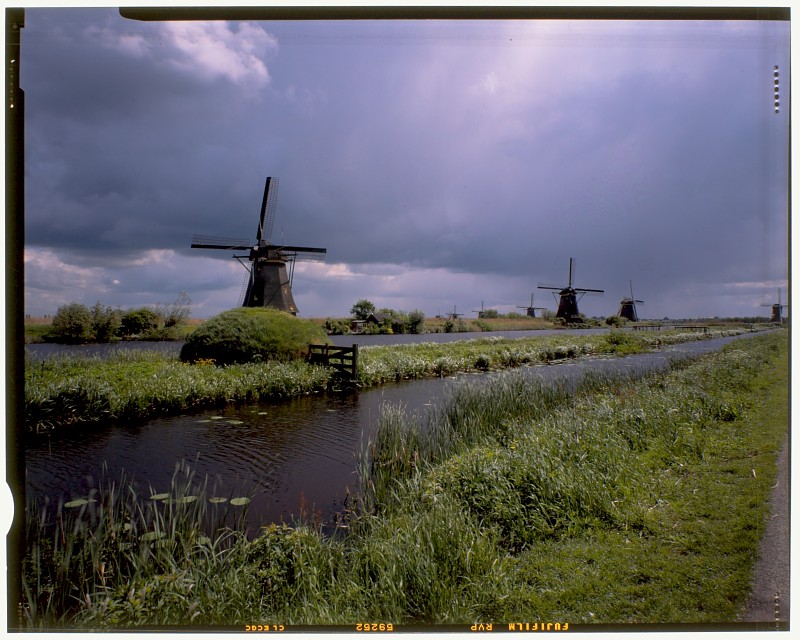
[362,309]
[105,322]
[138,321]
[176,312]
[72,323]
[416,321]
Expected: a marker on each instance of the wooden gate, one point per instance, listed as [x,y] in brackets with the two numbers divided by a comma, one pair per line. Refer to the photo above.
[343,359]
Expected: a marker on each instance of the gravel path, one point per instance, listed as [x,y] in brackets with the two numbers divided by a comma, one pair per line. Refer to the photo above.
[769,600]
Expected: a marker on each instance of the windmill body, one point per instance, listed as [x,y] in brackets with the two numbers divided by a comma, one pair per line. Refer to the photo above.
[627,307]
[777,308]
[568,299]
[531,310]
[271,269]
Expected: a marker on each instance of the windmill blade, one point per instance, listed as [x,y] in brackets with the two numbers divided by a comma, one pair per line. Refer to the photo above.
[304,254]
[541,286]
[217,242]
[269,204]
[590,290]
[291,249]
[307,257]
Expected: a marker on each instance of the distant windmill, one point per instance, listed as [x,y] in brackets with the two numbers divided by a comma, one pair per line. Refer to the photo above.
[454,315]
[627,307]
[777,310]
[531,310]
[481,312]
[568,299]
[267,283]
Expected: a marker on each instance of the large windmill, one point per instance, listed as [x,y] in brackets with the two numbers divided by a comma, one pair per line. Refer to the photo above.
[267,283]
[568,299]
[627,307]
[531,310]
[777,310]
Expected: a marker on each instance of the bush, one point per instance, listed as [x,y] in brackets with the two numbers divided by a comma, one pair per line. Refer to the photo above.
[337,327]
[138,321]
[416,321]
[105,323]
[252,334]
[72,323]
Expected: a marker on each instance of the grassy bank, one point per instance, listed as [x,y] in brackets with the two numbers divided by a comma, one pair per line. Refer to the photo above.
[66,390]
[616,502]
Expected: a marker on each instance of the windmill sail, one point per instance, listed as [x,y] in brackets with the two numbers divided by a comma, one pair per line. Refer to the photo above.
[569,297]
[268,283]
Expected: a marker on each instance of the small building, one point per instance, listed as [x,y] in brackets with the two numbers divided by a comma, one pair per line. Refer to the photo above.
[378,318]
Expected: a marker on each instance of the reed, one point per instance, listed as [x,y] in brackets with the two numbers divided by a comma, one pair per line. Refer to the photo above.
[618,501]
[86,557]
[138,385]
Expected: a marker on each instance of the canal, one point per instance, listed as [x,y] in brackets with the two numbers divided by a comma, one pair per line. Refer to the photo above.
[289,457]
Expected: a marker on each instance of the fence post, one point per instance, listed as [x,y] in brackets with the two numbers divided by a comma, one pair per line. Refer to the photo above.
[355,362]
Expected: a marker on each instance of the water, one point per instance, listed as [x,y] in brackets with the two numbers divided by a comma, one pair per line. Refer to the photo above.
[292,456]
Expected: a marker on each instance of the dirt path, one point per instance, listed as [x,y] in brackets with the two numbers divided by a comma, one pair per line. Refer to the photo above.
[769,600]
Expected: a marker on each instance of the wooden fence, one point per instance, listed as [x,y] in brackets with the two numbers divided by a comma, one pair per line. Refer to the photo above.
[343,359]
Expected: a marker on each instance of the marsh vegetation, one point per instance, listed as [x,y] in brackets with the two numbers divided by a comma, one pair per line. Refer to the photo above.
[614,501]
[128,386]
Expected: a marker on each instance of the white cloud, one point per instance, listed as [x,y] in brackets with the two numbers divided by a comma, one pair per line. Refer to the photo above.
[216,49]
[490,83]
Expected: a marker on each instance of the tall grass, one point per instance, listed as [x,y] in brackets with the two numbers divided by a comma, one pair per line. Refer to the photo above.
[142,384]
[620,501]
[108,554]
[66,390]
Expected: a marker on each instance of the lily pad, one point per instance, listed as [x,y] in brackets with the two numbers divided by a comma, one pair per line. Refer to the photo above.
[235,422]
[159,496]
[185,499]
[217,418]
[238,502]
[76,503]
[217,500]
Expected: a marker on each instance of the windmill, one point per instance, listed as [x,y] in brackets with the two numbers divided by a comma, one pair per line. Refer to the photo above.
[531,310]
[267,283]
[568,299]
[482,311]
[454,315]
[627,307]
[777,310]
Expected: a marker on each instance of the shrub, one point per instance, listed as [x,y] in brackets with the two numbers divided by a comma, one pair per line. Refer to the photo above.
[416,321]
[252,334]
[105,323]
[337,327]
[138,321]
[72,323]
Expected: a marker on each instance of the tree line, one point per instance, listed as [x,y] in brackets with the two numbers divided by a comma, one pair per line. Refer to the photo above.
[76,323]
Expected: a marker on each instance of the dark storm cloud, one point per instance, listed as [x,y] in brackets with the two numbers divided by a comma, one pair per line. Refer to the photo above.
[490,150]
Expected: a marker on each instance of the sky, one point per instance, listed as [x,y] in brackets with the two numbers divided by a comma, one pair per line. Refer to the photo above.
[443,164]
